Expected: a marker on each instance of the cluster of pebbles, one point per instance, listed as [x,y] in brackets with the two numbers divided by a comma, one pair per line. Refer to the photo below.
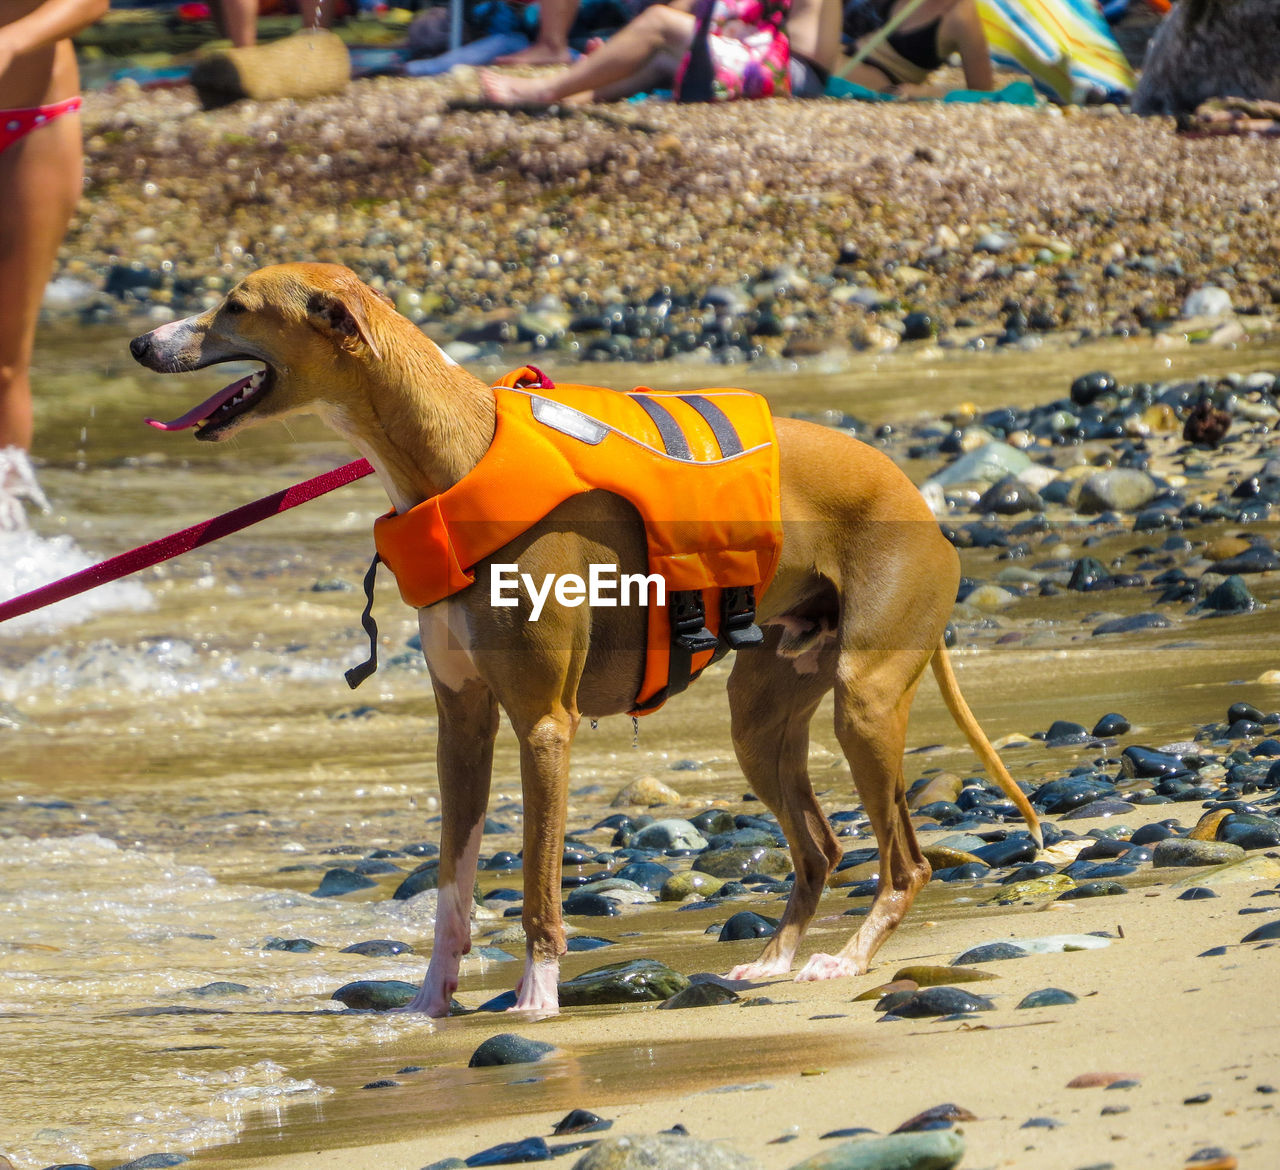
[770,229]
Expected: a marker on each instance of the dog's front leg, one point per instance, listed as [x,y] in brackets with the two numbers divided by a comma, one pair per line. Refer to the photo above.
[544,772]
[468,724]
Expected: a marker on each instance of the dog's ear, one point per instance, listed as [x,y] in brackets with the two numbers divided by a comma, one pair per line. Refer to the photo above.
[342,318]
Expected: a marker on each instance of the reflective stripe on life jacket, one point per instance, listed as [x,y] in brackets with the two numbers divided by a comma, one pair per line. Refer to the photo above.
[700,468]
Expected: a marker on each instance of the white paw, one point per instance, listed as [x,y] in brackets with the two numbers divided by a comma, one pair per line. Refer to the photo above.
[826,967]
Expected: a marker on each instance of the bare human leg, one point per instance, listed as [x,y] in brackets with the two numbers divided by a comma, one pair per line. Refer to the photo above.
[41,176]
[628,53]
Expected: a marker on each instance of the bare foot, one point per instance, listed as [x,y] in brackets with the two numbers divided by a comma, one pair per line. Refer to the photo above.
[501,89]
[536,54]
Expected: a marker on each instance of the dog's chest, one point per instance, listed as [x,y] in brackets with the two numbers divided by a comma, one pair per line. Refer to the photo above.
[446,643]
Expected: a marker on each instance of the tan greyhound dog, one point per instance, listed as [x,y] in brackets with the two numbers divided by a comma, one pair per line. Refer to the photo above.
[859,603]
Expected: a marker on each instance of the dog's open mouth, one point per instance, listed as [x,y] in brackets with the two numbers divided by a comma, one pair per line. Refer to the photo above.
[215,412]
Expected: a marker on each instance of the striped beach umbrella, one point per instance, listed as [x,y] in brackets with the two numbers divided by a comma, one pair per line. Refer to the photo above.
[1064,45]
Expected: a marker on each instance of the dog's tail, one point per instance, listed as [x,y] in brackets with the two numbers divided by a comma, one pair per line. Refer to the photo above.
[978,739]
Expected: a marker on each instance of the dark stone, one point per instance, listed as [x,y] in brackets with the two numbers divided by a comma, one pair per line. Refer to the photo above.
[1100,808]
[738,862]
[530,1149]
[1010,851]
[1132,623]
[635,981]
[508,1048]
[501,861]
[153,1162]
[1091,890]
[988,953]
[1231,596]
[747,924]
[580,1121]
[587,942]
[1196,893]
[219,987]
[1089,575]
[942,1001]
[1087,388]
[385,1083]
[934,1117]
[378,995]
[1150,834]
[648,875]
[1250,831]
[698,995]
[378,948]
[299,946]
[1047,997]
[1145,763]
[425,877]
[1009,497]
[337,882]
[1267,932]
[588,904]
[1063,733]
[1247,711]
[1062,795]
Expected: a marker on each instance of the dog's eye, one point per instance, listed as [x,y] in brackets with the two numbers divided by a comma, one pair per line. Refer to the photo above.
[235,307]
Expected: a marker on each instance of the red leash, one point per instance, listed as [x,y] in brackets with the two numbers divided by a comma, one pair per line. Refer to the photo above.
[176,543]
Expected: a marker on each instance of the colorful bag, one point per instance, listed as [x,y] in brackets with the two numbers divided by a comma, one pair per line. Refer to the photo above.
[748,50]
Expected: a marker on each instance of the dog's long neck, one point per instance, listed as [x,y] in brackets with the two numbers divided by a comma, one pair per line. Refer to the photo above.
[420,419]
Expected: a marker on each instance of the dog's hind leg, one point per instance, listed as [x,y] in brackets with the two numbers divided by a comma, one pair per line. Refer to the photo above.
[467,727]
[772,703]
[871,724]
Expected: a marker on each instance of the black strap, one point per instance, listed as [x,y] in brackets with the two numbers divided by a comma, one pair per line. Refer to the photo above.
[698,82]
[672,436]
[725,432]
[357,674]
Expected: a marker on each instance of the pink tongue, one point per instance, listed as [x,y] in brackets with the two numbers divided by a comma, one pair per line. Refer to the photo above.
[204,410]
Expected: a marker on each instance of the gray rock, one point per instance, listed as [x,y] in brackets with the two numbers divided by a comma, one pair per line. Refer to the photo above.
[635,981]
[672,833]
[508,1048]
[1118,489]
[1182,851]
[738,862]
[663,1151]
[988,464]
[938,1149]
[1208,301]
[379,995]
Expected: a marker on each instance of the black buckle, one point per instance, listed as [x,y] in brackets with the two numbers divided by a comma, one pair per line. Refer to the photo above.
[689,621]
[738,617]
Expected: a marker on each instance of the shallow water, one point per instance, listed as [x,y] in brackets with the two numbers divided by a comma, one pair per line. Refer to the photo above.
[181,762]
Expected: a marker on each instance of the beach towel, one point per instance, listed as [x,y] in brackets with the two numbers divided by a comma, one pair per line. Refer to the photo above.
[1016,93]
[1064,45]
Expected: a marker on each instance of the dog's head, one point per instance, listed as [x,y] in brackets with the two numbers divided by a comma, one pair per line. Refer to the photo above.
[302,321]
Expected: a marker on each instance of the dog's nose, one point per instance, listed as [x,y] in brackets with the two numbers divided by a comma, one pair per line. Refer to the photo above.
[140,346]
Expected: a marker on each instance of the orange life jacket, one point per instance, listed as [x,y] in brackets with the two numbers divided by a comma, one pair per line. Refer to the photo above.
[700,468]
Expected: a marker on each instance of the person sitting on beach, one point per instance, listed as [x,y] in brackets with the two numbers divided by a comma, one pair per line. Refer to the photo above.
[41,180]
[758,56]
[238,19]
[928,33]
[555,19]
